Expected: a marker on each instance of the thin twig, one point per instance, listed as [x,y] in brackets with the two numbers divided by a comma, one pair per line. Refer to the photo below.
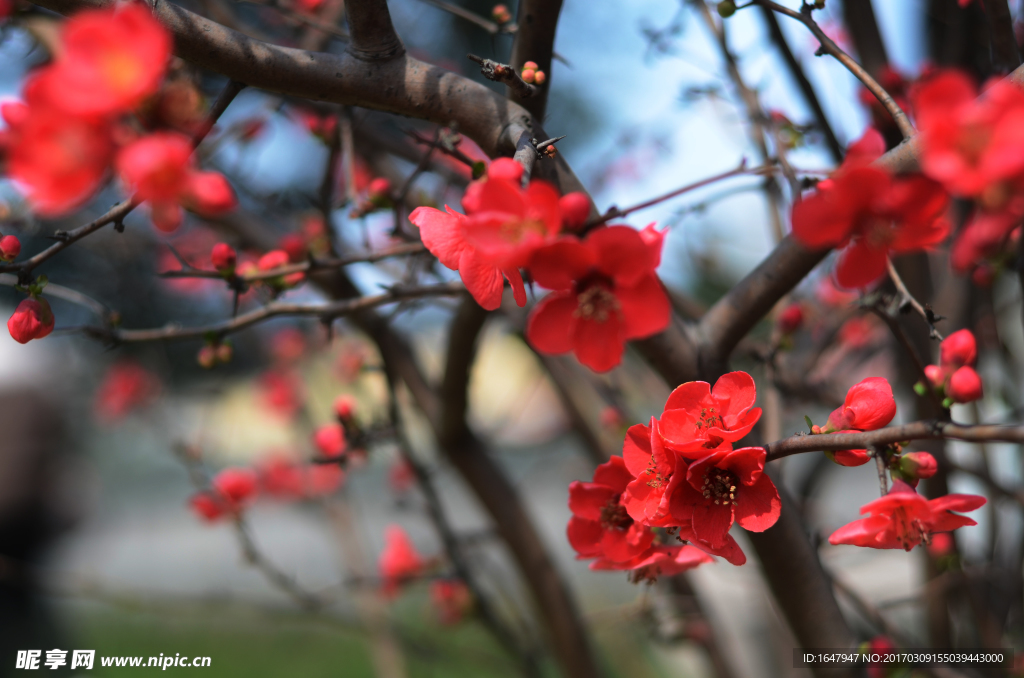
[828,46]
[907,298]
[326,312]
[616,213]
[489,26]
[305,266]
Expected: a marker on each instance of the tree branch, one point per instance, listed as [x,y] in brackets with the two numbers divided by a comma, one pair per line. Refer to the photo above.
[373,37]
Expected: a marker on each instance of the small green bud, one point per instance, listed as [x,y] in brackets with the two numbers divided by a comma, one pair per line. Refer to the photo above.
[726,8]
[479,169]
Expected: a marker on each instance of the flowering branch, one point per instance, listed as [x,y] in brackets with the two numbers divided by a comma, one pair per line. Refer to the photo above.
[67,294]
[828,46]
[499,72]
[116,214]
[920,430]
[326,312]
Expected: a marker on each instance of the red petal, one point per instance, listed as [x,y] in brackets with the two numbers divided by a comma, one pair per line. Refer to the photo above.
[482,280]
[599,344]
[558,265]
[860,265]
[440,234]
[758,506]
[585,537]
[645,307]
[689,396]
[711,522]
[549,329]
[518,289]
[636,450]
[614,474]
[621,254]
[542,204]
[587,499]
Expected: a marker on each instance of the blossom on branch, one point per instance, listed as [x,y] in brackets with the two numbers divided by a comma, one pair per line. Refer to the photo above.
[954,376]
[904,519]
[869,214]
[605,293]
[399,561]
[32,319]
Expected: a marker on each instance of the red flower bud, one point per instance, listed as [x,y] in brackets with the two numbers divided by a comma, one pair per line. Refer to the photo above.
[207,506]
[958,349]
[295,245]
[539,77]
[849,457]
[379,189]
[983,275]
[965,385]
[936,375]
[344,407]
[33,319]
[501,14]
[575,209]
[791,319]
[273,259]
[225,353]
[532,65]
[330,440]
[529,75]
[223,257]
[10,248]
[918,465]
[868,406]
[505,168]
[207,357]
[236,485]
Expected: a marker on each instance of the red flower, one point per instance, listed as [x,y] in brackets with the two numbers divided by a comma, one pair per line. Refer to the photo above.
[110,60]
[451,599]
[399,561]
[236,485]
[869,213]
[606,292]
[295,245]
[724,487]
[127,386]
[651,466]
[283,478]
[33,319]
[288,345]
[330,440]
[275,259]
[969,144]
[10,248]
[600,526]
[869,405]
[60,161]
[443,235]
[965,385]
[223,257]
[904,519]
[159,168]
[506,224]
[698,418]
[207,506]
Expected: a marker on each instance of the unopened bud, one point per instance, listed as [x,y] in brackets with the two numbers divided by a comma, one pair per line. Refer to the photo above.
[344,407]
[918,465]
[223,257]
[10,248]
[207,357]
[791,318]
[965,385]
[225,352]
[539,77]
[379,189]
[529,75]
[532,65]
[500,14]
[575,208]
[936,375]
[726,8]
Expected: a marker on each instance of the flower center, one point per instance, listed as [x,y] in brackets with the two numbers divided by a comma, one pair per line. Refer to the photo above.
[878,232]
[972,142]
[614,515]
[708,418]
[515,229]
[719,485]
[596,303]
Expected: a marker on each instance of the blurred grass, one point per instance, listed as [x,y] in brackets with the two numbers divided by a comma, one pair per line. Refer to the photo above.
[243,640]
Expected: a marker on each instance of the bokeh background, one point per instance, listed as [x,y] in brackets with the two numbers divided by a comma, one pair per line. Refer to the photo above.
[100,550]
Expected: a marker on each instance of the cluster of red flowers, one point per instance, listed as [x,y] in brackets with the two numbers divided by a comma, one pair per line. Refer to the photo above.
[869,213]
[277,476]
[971,145]
[954,377]
[605,290]
[62,140]
[682,474]
[680,477]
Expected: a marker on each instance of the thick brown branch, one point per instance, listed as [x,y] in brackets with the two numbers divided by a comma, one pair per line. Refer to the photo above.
[373,37]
